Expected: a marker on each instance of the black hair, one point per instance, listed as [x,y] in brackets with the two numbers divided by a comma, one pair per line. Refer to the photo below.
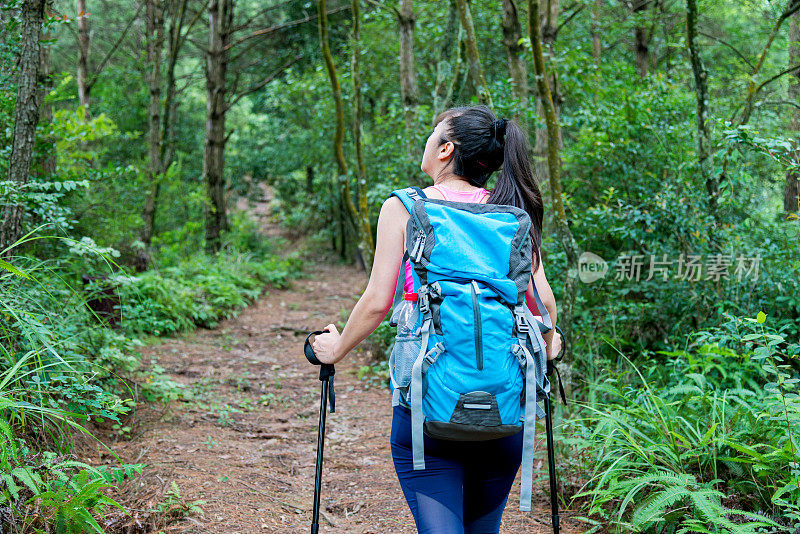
[484,144]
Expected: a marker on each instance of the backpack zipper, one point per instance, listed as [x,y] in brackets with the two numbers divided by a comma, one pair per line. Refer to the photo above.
[476,310]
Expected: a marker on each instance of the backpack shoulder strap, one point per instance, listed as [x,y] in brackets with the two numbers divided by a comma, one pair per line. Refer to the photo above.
[546,324]
[409,195]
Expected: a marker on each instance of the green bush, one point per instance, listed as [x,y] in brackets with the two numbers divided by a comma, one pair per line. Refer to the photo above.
[199,291]
[708,443]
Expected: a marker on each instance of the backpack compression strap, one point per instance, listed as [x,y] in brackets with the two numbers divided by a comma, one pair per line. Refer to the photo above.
[533,364]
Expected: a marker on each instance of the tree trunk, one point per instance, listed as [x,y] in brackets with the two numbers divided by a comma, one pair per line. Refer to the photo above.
[548,21]
[309,179]
[641,37]
[790,190]
[473,58]
[84,41]
[448,62]
[47,165]
[174,45]
[512,33]
[349,208]
[595,30]
[154,24]
[26,115]
[366,243]
[408,78]
[220,19]
[554,169]
[701,93]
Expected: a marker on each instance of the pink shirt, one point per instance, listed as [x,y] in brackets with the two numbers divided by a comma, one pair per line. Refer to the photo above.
[475,196]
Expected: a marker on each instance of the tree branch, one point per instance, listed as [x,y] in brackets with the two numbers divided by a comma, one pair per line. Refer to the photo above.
[772,79]
[781,103]
[189,26]
[391,9]
[268,8]
[569,18]
[722,42]
[253,89]
[277,27]
[101,66]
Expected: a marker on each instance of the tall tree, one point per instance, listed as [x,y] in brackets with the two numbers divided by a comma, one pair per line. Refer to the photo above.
[220,23]
[448,61]
[366,244]
[790,190]
[177,38]
[26,113]
[701,94]
[47,166]
[154,25]
[512,34]
[408,77]
[473,58]
[642,34]
[548,25]
[554,167]
[349,207]
[754,89]
[84,41]
[595,31]
[87,74]
[409,89]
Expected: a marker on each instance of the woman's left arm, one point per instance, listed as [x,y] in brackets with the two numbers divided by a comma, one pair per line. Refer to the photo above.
[376,300]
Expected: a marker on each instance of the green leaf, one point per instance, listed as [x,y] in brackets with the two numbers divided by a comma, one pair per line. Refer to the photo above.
[8,267]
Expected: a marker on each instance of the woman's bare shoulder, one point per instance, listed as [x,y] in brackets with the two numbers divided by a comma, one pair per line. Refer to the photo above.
[392,206]
[432,192]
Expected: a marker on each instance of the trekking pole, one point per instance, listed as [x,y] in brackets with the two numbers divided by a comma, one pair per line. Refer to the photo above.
[326,373]
[551,457]
[548,421]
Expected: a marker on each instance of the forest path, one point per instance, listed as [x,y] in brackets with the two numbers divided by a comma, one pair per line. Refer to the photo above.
[246,443]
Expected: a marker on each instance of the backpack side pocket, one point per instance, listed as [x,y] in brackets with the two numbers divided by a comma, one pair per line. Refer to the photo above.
[405,351]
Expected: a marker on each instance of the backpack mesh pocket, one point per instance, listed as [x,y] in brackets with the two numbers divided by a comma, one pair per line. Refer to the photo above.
[405,351]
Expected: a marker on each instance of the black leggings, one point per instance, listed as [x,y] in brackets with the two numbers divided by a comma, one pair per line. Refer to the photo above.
[464,486]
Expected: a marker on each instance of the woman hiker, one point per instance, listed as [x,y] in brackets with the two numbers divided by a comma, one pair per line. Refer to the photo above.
[465,485]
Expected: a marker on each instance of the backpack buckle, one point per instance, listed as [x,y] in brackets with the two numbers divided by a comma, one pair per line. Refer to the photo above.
[519,354]
[434,291]
[433,354]
[423,300]
[520,320]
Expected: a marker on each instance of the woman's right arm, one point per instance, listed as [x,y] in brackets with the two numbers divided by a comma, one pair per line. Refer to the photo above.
[377,298]
[552,338]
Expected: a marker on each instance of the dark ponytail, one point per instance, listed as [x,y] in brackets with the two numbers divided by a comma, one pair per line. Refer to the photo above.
[483,145]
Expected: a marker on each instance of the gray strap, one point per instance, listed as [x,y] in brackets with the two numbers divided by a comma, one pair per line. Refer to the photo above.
[539,304]
[415,392]
[528,433]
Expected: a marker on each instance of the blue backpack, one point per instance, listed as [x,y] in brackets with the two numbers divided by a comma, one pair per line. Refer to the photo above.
[474,367]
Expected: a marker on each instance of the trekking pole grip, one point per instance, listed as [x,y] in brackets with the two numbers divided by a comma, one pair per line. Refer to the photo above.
[326,370]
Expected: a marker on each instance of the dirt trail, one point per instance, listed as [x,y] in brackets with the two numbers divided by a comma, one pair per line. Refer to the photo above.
[246,444]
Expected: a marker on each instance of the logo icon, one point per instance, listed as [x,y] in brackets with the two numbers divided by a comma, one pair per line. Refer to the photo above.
[591,267]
